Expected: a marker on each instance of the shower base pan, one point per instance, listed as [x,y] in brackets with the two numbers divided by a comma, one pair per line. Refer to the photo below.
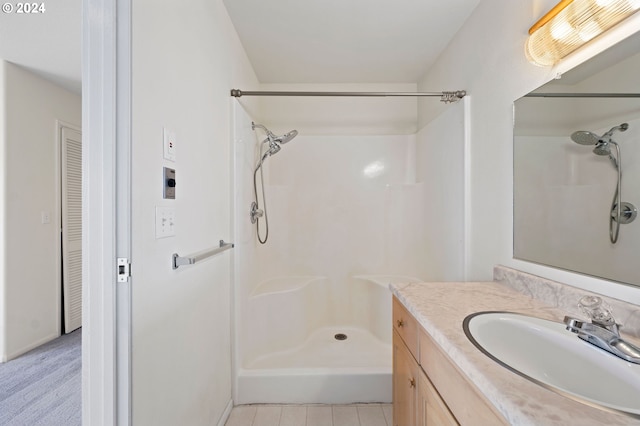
[327,369]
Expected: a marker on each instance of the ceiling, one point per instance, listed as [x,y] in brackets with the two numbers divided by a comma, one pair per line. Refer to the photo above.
[48,43]
[339,41]
[287,41]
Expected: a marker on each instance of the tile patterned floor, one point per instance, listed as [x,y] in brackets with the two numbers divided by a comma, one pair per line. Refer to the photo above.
[311,415]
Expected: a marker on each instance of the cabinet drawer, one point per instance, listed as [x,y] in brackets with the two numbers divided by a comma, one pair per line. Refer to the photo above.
[406,326]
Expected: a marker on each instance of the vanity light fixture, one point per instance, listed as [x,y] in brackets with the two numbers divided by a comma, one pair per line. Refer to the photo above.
[571,24]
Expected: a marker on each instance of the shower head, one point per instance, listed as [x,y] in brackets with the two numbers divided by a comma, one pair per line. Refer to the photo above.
[273,149]
[623,128]
[603,147]
[584,137]
[271,138]
[602,143]
[287,137]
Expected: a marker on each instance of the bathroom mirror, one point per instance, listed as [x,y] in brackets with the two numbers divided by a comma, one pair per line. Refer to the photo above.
[564,186]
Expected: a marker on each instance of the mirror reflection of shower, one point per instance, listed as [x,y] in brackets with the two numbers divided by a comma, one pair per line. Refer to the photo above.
[274,144]
[621,212]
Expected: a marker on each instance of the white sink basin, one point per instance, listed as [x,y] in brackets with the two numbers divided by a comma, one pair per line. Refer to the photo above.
[549,355]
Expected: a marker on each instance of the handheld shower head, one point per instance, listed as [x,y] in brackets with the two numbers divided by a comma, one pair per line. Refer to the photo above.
[273,149]
[623,128]
[603,147]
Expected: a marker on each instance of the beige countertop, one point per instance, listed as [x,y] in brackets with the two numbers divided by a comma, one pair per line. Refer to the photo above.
[441,307]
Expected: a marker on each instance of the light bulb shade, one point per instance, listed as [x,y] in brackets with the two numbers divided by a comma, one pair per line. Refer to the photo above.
[571,24]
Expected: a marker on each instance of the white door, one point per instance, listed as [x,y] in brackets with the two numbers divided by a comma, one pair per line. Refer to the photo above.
[71,141]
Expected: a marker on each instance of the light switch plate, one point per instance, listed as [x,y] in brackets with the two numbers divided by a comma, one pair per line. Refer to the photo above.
[169,144]
[165,222]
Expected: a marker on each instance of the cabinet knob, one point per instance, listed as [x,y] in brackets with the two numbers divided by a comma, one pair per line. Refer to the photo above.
[400,323]
[412,382]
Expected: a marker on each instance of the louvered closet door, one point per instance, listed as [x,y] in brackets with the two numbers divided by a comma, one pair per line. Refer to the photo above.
[72,228]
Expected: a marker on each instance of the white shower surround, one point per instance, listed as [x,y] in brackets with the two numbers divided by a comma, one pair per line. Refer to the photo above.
[345,221]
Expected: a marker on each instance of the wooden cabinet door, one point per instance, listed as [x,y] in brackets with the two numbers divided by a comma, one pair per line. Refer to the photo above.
[405,381]
[431,409]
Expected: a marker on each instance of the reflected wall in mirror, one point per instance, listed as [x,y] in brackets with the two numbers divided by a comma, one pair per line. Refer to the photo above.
[563,190]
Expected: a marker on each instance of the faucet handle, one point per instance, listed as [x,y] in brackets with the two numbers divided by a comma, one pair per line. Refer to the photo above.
[597,310]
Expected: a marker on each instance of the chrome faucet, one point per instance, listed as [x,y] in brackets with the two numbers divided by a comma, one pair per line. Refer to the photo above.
[602,331]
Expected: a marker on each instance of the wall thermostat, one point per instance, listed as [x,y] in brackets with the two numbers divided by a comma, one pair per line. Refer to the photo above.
[169,183]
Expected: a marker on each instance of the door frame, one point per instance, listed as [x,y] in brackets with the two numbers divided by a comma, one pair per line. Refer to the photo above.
[106,216]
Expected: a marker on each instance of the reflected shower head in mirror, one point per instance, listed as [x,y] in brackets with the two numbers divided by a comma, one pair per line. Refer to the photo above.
[621,212]
[602,143]
[583,137]
[603,147]
[623,128]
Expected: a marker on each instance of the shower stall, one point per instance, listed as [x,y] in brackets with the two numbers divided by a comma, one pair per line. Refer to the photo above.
[346,217]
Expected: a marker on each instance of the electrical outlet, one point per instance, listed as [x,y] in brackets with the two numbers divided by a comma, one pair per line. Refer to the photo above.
[45,217]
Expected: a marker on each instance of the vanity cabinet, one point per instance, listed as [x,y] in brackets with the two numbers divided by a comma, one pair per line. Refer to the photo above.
[415,401]
[432,410]
[428,389]
[405,382]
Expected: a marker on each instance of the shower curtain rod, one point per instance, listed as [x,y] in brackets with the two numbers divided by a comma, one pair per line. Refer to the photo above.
[444,96]
[582,95]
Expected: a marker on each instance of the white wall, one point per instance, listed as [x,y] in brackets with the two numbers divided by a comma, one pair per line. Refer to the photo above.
[487,59]
[440,157]
[31,252]
[186,58]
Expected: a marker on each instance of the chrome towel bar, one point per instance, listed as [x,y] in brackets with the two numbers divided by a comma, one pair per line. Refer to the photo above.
[178,261]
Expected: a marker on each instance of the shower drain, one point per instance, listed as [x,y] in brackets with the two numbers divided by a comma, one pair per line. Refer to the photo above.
[340,336]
